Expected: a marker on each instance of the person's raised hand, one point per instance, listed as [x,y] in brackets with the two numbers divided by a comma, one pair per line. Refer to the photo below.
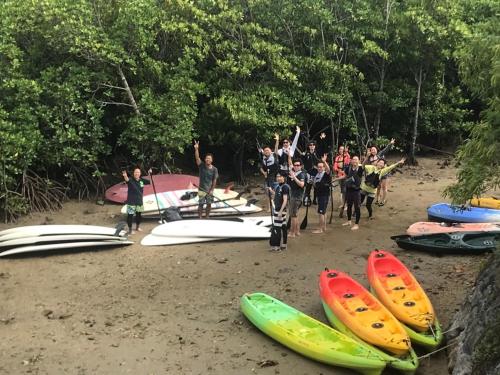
[196,145]
[323,158]
[393,141]
[150,171]
[322,135]
[402,161]
[124,173]
[297,129]
[276,137]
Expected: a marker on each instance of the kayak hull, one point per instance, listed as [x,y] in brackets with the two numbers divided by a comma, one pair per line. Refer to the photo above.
[362,313]
[457,214]
[396,287]
[408,363]
[308,336]
[486,203]
[449,243]
[424,227]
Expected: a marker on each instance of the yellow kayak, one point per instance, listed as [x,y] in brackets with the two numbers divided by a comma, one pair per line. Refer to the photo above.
[486,203]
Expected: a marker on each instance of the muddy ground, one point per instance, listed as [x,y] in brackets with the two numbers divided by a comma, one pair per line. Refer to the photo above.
[175,310]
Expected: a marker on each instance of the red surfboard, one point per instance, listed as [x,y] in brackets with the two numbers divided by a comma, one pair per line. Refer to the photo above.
[163,182]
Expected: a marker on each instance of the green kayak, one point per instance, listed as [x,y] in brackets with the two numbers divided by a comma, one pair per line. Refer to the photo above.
[308,336]
[407,364]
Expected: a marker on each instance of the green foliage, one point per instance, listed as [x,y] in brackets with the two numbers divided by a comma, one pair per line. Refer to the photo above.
[479,58]
[143,77]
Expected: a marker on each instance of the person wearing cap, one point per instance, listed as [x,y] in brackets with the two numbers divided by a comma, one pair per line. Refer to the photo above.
[280,197]
[269,166]
[287,150]
[310,158]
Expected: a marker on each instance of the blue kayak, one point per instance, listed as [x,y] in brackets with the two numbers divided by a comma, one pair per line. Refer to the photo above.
[459,214]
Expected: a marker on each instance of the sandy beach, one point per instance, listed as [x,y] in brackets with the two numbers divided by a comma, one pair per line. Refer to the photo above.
[175,309]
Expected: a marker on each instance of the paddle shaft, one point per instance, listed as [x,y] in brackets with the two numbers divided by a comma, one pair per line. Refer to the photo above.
[156,197]
[220,200]
[303,225]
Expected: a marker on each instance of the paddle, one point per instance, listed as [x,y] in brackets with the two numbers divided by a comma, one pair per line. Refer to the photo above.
[221,200]
[307,203]
[275,238]
[156,196]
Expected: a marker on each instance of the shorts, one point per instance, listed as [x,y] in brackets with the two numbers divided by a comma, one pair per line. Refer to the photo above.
[295,203]
[385,177]
[322,204]
[280,223]
[133,209]
[204,198]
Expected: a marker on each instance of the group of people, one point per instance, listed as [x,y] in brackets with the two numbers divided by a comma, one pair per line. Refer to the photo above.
[291,176]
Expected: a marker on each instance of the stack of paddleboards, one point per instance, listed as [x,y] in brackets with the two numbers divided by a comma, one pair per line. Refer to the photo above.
[162,182]
[41,238]
[450,237]
[203,230]
[372,331]
[226,202]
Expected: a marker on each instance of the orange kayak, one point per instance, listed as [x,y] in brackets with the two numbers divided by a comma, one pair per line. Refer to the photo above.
[486,203]
[362,313]
[423,227]
[399,291]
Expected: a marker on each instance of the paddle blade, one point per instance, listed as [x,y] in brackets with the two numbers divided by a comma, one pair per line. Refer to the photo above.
[303,225]
[275,238]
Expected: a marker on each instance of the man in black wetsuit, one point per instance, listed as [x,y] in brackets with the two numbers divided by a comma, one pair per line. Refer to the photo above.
[353,174]
[310,159]
[296,180]
[135,205]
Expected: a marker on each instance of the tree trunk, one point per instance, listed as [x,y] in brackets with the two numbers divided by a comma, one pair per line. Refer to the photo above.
[238,163]
[131,98]
[411,158]
[378,114]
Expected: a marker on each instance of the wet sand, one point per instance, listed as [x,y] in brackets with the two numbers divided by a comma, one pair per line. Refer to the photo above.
[175,309]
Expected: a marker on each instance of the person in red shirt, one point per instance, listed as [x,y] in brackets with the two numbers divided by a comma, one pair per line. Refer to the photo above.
[342,160]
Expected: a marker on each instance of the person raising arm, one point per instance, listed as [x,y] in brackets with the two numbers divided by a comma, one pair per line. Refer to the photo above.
[208,180]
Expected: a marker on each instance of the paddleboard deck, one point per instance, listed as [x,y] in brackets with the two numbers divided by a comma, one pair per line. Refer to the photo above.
[47,230]
[63,238]
[211,228]
[163,182]
[174,199]
[61,246]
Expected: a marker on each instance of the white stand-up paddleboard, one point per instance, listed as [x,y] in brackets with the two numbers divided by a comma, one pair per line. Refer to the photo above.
[174,199]
[153,240]
[224,211]
[211,228]
[58,239]
[47,230]
[60,246]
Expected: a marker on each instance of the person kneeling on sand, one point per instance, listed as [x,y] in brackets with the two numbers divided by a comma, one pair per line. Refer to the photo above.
[135,204]
[322,182]
[280,196]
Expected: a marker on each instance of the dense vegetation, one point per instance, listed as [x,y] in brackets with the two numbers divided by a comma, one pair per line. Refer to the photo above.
[85,80]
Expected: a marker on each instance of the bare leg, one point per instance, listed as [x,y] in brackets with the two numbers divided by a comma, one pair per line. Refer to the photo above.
[322,224]
[384,187]
[200,212]
[209,207]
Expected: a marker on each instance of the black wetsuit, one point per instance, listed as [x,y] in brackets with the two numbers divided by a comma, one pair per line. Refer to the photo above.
[353,195]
